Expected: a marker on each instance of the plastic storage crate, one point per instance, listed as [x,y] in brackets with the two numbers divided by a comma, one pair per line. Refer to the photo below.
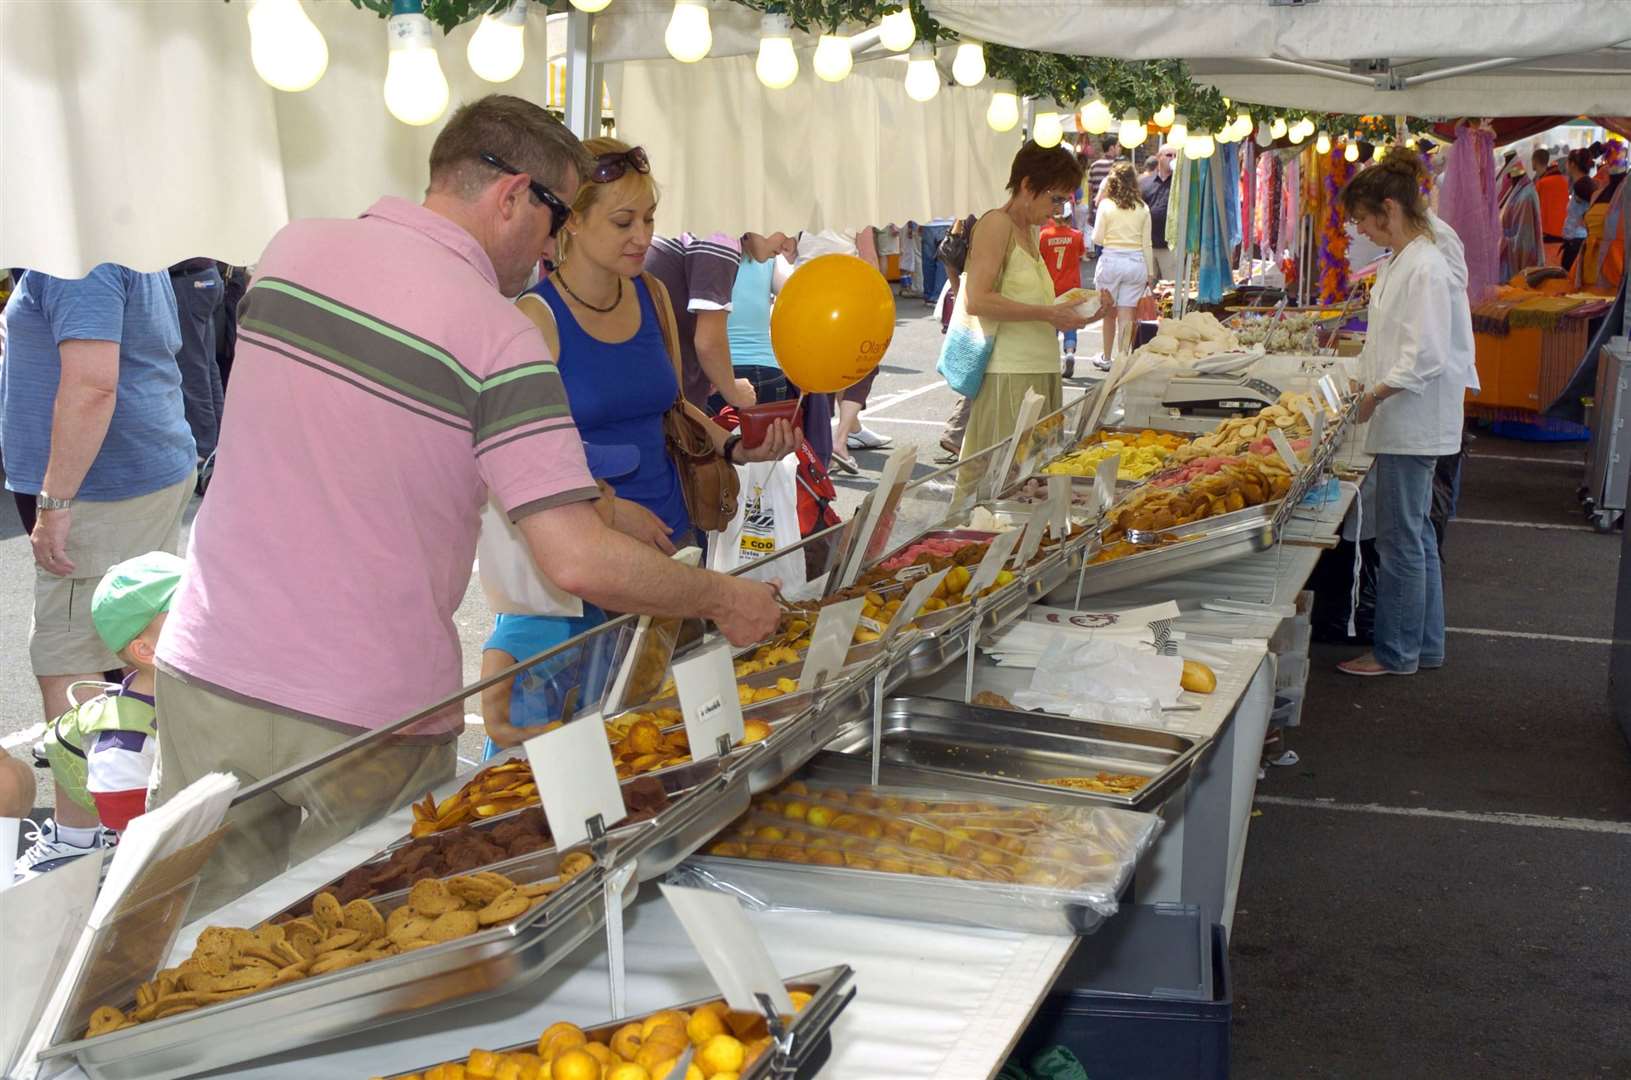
[1148,997]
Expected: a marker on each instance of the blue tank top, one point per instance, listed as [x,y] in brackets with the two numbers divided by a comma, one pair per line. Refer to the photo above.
[619,394]
[748,326]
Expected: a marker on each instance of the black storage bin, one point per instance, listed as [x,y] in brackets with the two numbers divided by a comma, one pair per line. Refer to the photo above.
[1145,998]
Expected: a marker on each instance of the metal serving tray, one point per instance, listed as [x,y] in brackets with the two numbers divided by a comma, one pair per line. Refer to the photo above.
[845,701]
[1254,529]
[1007,752]
[1023,908]
[341,1002]
[830,992]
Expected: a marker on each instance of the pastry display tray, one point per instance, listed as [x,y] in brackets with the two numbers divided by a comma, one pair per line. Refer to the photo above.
[1009,752]
[380,992]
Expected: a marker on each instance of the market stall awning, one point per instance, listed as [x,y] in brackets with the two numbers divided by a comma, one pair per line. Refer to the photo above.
[1319,30]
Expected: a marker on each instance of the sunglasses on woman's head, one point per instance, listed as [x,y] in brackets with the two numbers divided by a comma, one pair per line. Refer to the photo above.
[558,210]
[611,167]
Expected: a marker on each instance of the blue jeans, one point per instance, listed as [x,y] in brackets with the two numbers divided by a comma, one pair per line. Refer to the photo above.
[1409,583]
[1070,341]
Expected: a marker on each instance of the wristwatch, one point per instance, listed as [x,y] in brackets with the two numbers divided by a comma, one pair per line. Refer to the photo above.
[46,502]
[730,445]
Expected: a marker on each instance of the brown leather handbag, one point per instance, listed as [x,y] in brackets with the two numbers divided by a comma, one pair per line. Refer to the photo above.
[709,482]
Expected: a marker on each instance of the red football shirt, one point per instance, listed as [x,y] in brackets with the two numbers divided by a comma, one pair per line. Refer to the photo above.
[1062,249]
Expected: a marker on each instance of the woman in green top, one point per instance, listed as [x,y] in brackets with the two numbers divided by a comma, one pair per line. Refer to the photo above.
[1008,285]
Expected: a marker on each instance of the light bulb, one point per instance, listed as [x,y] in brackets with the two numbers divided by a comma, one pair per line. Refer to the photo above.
[1132,131]
[1376,153]
[1277,127]
[1046,129]
[833,59]
[1307,127]
[1296,133]
[1164,116]
[777,65]
[922,79]
[589,7]
[968,65]
[1410,143]
[1264,138]
[688,37]
[1199,145]
[1096,117]
[1179,132]
[498,47]
[286,47]
[1352,153]
[1003,112]
[415,89]
[1322,145]
[897,31]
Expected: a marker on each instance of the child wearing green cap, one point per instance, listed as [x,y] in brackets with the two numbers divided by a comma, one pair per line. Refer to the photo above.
[102,750]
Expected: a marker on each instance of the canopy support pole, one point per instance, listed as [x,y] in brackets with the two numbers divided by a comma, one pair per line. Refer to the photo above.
[583,76]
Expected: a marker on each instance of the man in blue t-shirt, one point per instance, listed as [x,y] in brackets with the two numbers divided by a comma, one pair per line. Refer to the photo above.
[92,426]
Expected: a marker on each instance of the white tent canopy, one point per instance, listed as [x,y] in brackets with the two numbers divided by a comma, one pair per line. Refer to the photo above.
[1416,57]
[138,132]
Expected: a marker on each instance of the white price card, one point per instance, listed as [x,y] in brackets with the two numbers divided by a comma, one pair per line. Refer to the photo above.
[830,641]
[730,948]
[572,767]
[1287,454]
[1030,407]
[1104,482]
[1059,506]
[880,515]
[639,677]
[1328,388]
[706,682]
[1316,421]
[914,601]
[996,557]
[1031,539]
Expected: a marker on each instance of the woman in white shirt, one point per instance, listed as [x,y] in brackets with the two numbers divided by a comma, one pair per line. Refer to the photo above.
[1126,268]
[1417,365]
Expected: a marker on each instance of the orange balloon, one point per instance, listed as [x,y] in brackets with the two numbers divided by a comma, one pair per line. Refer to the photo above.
[832,323]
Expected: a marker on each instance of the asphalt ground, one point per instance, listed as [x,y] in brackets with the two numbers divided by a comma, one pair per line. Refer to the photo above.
[1438,888]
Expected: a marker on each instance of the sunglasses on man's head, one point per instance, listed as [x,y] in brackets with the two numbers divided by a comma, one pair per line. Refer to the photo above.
[558,210]
[611,167]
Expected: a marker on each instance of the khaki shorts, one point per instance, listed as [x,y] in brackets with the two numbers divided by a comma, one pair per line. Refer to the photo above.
[61,637]
[204,730]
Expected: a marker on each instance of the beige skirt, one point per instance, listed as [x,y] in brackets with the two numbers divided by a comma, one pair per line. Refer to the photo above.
[995,411]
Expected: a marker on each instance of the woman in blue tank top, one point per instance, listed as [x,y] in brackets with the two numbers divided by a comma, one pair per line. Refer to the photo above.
[603,321]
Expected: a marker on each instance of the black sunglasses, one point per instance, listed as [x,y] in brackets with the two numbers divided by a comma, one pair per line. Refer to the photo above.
[558,210]
[611,167]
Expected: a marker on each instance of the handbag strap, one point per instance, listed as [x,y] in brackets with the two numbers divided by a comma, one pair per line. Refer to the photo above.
[671,331]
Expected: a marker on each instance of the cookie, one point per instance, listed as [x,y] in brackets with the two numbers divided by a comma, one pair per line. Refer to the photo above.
[106,1019]
[430,897]
[339,939]
[417,943]
[364,918]
[451,925]
[474,890]
[506,906]
[336,960]
[539,889]
[326,910]
[574,864]
[214,941]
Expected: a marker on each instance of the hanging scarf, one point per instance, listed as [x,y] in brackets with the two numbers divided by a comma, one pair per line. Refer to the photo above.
[1467,202]
[1230,153]
[1520,228]
[1208,229]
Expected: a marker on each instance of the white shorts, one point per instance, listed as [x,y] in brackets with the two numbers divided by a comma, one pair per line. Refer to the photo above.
[1121,273]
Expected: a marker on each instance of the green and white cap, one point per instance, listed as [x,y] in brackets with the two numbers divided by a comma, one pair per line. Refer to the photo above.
[132,594]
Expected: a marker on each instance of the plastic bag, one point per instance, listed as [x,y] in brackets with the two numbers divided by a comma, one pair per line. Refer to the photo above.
[512,581]
[766,521]
[1101,680]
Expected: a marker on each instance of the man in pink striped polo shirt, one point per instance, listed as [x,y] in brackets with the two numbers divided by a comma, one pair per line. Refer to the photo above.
[383,386]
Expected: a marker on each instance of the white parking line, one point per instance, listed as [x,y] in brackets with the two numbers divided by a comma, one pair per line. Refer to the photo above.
[890,400]
[1528,821]
[1529,460]
[1528,636]
[23,738]
[1522,524]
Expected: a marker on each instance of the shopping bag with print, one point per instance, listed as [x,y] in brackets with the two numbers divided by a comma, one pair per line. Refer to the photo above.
[766,522]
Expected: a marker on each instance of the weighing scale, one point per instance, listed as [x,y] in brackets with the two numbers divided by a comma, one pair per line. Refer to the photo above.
[1217,395]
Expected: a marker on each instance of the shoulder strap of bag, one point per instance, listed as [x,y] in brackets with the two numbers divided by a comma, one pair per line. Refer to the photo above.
[671,331]
[1008,249]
